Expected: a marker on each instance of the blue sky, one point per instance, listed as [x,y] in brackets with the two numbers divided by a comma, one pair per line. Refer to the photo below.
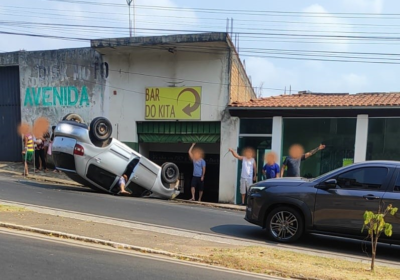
[303,30]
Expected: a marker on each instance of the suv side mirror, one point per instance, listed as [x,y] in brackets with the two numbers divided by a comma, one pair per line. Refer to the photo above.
[328,184]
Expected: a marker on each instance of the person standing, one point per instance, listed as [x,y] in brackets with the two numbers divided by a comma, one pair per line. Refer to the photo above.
[40,160]
[249,170]
[271,169]
[199,170]
[27,153]
[296,156]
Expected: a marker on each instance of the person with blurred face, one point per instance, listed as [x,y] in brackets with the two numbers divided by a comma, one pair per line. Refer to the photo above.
[249,170]
[199,170]
[271,168]
[296,156]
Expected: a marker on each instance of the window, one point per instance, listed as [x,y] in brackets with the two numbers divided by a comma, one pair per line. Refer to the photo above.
[338,134]
[255,126]
[383,135]
[397,184]
[370,178]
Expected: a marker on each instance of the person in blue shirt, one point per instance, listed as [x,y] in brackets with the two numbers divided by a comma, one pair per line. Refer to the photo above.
[271,168]
[199,170]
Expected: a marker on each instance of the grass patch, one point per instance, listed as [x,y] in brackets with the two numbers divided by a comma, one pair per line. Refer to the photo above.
[8,208]
[297,265]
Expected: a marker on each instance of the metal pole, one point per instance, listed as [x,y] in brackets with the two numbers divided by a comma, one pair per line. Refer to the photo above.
[130,22]
[134,19]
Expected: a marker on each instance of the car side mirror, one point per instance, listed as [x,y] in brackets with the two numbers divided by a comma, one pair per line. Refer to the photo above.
[328,184]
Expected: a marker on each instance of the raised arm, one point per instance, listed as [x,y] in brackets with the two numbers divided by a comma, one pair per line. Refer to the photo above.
[235,154]
[191,151]
[313,152]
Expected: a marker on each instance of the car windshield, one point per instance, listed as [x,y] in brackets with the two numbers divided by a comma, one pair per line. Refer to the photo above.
[328,173]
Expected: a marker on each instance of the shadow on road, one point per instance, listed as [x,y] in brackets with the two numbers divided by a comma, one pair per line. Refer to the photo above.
[54,187]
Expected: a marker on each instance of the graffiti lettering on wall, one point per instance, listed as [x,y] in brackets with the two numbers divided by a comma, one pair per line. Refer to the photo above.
[56,96]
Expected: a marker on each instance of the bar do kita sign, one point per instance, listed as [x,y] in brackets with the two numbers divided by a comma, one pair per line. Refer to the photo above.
[173,103]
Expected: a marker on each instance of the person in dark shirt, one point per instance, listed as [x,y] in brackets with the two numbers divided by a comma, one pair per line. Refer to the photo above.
[296,156]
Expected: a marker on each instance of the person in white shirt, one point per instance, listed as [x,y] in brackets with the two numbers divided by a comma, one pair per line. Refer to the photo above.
[249,170]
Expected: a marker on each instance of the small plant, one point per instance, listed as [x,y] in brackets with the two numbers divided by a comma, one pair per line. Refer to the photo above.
[375,224]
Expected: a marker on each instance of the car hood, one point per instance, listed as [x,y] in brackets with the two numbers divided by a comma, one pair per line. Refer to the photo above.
[285,182]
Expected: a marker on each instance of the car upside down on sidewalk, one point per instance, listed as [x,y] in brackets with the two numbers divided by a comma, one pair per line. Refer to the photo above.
[90,156]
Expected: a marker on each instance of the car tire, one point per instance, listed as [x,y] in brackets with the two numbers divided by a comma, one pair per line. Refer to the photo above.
[100,130]
[73,117]
[169,173]
[284,224]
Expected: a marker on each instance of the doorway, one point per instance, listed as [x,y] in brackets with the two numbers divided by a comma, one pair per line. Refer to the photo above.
[261,145]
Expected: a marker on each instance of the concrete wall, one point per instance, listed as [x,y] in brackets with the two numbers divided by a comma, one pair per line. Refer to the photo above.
[57,82]
[132,71]
[240,87]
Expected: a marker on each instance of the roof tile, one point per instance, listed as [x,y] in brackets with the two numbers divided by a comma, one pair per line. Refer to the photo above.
[302,100]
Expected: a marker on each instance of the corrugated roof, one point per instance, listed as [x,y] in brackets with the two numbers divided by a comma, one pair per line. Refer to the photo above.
[319,100]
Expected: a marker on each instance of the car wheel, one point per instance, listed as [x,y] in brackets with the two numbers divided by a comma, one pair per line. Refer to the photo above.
[169,173]
[100,129]
[73,117]
[284,224]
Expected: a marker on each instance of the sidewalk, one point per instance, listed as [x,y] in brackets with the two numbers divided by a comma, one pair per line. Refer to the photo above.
[16,169]
[176,243]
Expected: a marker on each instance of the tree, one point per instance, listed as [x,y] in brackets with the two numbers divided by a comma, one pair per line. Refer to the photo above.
[375,224]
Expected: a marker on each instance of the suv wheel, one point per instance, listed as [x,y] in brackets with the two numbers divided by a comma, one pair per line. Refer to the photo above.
[284,224]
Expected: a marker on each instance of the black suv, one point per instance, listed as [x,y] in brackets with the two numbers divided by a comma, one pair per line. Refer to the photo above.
[331,204]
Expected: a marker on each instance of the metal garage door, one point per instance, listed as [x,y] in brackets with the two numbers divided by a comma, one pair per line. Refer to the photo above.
[10,114]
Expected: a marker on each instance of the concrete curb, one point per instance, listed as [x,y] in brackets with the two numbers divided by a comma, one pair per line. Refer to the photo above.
[99,242]
[43,178]
[215,205]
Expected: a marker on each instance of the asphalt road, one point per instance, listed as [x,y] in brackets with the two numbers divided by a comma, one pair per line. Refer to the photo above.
[29,257]
[158,212]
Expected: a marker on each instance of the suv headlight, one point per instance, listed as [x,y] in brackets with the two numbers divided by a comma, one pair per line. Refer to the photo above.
[257,189]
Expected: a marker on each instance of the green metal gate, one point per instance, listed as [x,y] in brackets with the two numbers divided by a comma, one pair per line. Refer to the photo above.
[179,132]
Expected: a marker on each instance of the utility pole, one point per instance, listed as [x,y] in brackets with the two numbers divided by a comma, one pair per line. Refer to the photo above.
[129,2]
[134,18]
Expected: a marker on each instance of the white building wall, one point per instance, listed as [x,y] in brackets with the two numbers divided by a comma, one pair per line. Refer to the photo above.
[132,72]
[360,149]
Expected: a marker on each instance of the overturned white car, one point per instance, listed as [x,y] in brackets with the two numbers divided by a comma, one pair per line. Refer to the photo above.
[90,156]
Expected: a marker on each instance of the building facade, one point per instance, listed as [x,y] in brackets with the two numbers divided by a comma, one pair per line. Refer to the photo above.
[354,128]
[161,94]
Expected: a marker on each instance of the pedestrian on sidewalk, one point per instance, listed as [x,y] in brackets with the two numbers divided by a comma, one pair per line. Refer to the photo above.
[296,156]
[40,160]
[27,153]
[249,170]
[50,150]
[271,169]
[199,170]
[46,144]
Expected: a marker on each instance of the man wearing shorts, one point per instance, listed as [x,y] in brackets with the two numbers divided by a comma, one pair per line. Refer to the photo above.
[199,170]
[27,153]
[249,170]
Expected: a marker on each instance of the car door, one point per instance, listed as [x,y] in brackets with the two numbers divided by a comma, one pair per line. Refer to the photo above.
[392,196]
[144,173]
[104,168]
[341,209]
